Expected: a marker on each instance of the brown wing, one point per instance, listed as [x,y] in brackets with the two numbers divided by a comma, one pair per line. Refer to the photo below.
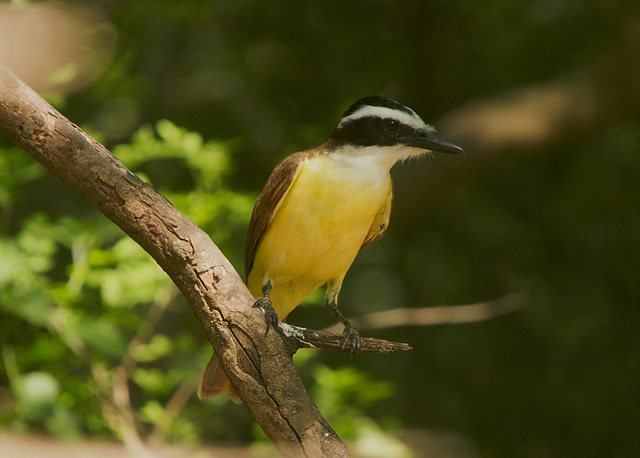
[269,201]
[380,222]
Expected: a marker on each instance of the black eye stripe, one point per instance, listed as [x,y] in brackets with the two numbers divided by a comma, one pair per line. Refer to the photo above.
[372,130]
[391,124]
[375,122]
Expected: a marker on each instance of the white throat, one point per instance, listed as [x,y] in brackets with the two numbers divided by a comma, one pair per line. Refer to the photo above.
[378,159]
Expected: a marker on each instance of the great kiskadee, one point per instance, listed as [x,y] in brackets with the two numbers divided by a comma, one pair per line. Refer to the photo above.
[320,207]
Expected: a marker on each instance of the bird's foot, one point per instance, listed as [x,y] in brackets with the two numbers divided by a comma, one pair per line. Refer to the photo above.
[351,342]
[270,315]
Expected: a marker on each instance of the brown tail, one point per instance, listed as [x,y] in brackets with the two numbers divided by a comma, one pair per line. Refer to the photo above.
[214,381]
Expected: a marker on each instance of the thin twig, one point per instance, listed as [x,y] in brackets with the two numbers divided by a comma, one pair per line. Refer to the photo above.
[309,338]
[444,314]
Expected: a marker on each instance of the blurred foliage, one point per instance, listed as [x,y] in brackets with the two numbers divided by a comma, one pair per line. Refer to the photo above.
[80,303]
[80,300]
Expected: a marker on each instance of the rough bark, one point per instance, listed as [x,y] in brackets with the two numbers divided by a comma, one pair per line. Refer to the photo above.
[257,362]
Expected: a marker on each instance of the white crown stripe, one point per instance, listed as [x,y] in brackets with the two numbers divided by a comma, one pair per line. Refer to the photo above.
[367,111]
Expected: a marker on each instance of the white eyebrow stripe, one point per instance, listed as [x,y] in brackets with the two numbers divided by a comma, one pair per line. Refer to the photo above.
[412,120]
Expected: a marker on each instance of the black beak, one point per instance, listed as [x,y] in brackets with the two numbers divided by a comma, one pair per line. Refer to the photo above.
[433,142]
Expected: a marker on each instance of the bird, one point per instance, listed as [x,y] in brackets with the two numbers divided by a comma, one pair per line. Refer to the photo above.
[320,207]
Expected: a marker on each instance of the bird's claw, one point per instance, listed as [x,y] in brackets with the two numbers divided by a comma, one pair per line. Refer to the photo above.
[270,315]
[351,343]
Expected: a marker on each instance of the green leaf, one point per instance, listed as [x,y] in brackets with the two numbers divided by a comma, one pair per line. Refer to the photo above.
[64,423]
[134,280]
[36,394]
[156,382]
[102,335]
[152,412]
[159,346]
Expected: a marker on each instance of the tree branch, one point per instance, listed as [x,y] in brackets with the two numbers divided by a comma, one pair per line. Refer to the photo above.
[443,314]
[257,362]
[309,338]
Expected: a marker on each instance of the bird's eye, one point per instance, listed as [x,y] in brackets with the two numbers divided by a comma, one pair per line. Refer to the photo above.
[390,124]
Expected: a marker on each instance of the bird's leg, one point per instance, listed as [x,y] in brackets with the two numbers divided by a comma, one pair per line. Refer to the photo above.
[270,315]
[351,342]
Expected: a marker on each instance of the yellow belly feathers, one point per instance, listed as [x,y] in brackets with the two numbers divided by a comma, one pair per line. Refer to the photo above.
[318,229]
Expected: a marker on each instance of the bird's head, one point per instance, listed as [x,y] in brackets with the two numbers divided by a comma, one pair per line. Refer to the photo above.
[387,126]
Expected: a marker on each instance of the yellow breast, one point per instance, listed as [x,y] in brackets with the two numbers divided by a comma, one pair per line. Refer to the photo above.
[318,229]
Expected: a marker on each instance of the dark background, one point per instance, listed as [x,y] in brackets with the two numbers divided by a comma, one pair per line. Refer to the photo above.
[542,95]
